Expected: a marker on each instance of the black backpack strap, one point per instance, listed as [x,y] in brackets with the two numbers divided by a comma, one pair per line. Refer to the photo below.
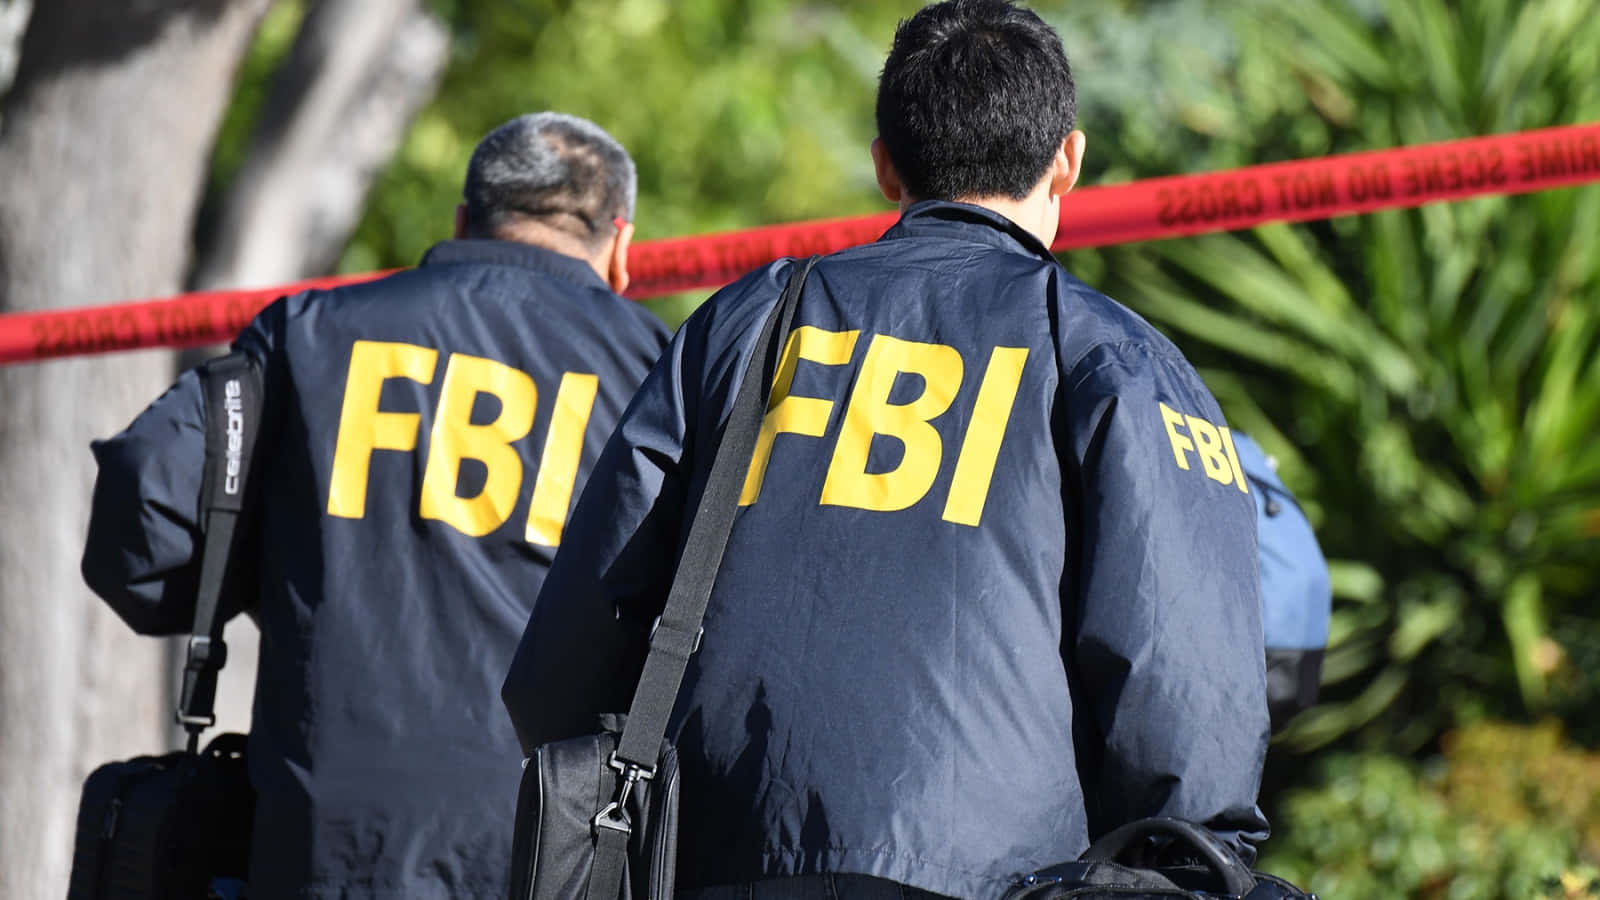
[233,400]
[676,634]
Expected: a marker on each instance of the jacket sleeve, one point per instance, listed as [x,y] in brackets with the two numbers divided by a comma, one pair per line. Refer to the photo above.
[1166,642]
[142,553]
[588,633]
[144,529]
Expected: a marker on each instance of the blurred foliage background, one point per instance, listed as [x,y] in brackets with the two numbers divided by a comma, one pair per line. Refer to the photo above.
[1428,379]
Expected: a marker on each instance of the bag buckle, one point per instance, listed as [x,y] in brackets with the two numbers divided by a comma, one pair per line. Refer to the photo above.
[204,653]
[613,817]
[615,814]
[694,647]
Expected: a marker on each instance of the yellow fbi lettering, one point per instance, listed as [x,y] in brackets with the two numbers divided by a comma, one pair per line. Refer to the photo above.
[1212,444]
[454,438]
[869,413]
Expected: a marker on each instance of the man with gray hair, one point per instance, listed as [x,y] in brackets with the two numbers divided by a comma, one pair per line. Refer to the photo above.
[421,442]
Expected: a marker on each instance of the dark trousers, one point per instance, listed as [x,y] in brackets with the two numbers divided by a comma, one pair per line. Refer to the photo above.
[812,887]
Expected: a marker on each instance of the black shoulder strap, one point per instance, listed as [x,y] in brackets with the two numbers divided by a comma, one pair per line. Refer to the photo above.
[676,634]
[233,399]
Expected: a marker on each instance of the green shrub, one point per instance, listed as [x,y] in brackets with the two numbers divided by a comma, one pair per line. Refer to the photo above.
[1507,813]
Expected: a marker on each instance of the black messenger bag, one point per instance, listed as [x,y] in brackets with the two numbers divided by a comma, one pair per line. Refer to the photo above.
[597,816]
[164,826]
[177,827]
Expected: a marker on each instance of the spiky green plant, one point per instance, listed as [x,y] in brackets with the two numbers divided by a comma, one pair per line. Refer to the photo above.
[1430,379]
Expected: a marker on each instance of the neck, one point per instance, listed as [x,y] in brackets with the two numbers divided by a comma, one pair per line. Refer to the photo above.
[1039,213]
[539,235]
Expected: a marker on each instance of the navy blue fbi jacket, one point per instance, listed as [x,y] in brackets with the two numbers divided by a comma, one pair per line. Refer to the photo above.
[422,439]
[993,590]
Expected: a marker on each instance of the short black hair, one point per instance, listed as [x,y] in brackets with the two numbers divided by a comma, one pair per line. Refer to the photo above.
[974,100]
[561,171]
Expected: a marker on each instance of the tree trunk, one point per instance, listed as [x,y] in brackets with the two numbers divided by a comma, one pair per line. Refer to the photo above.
[358,73]
[104,146]
[13,18]
[340,105]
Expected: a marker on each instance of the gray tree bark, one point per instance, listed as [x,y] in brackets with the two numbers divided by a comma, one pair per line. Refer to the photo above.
[104,145]
[359,72]
[13,19]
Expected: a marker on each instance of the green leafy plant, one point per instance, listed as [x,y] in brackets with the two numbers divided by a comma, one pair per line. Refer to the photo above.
[1507,813]
[1429,379]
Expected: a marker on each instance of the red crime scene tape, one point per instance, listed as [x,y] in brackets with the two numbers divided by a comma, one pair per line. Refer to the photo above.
[1175,206]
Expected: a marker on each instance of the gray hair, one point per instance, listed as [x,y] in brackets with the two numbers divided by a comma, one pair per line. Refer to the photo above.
[561,171]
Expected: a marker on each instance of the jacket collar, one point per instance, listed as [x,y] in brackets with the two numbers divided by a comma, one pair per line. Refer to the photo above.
[965,222]
[512,253]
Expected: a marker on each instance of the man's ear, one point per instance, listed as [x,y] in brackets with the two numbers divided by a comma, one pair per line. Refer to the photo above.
[888,178]
[617,263]
[1068,164]
[461,221]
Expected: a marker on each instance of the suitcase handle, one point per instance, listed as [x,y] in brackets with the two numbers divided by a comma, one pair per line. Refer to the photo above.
[1237,879]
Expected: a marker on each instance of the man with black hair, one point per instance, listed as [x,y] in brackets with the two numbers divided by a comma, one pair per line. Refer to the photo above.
[992,591]
[422,438]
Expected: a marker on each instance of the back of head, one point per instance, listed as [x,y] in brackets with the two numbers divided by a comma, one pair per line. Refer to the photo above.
[550,174]
[974,100]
